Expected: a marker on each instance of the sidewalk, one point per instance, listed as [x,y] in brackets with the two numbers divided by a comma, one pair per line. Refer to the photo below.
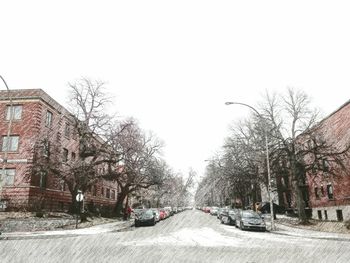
[283,229]
[98,229]
[298,232]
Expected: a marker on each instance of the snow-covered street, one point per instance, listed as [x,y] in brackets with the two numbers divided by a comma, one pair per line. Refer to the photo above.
[191,236]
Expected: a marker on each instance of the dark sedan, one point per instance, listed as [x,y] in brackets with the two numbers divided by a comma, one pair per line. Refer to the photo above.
[147,218]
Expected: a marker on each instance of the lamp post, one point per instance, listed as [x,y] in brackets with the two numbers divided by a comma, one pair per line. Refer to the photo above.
[267,159]
[4,159]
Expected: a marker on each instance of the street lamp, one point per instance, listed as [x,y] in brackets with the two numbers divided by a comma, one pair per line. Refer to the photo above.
[267,158]
[4,159]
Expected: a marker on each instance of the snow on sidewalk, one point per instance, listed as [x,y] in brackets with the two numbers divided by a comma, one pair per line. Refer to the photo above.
[98,229]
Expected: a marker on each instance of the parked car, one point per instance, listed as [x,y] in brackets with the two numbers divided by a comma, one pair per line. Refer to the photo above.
[214,210]
[206,209]
[250,220]
[162,214]
[157,214]
[229,217]
[147,217]
[221,212]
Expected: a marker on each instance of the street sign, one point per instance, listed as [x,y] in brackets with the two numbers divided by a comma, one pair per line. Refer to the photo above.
[79,197]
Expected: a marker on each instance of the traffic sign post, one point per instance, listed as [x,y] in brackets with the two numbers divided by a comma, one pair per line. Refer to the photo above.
[79,197]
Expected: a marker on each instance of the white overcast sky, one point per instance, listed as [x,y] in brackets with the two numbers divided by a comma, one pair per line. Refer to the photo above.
[173,64]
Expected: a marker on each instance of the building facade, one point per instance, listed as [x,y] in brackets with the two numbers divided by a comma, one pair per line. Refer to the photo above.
[326,190]
[28,117]
[329,192]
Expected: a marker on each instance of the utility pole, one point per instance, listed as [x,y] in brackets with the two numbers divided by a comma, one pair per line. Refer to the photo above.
[269,190]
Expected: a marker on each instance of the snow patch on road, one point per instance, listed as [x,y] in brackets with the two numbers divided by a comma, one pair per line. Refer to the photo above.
[205,237]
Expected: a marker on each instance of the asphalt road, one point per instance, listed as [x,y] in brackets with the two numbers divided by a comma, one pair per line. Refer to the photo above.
[191,236]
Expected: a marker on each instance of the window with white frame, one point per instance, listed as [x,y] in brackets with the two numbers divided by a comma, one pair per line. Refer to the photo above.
[10,143]
[48,121]
[9,177]
[330,191]
[14,112]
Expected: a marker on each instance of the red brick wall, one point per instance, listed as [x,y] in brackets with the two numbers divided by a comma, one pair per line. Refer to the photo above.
[26,193]
[336,129]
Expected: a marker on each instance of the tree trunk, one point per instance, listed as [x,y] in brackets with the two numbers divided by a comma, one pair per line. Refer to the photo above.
[120,201]
[301,205]
[125,216]
[299,174]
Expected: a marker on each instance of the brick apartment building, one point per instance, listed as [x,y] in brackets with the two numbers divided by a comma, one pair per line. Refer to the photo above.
[326,195]
[329,195]
[36,115]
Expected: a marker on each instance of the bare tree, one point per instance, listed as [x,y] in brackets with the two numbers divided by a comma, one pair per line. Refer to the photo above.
[294,126]
[140,166]
[88,124]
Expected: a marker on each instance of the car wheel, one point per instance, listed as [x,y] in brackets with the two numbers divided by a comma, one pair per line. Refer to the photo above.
[241,226]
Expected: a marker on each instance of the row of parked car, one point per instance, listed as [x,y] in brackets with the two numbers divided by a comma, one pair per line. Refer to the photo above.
[150,216]
[243,219]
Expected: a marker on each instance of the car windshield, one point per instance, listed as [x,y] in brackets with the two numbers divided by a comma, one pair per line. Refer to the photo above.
[251,215]
[148,213]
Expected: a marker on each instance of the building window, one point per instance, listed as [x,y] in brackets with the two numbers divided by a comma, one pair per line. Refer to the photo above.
[9,177]
[102,191]
[73,156]
[63,185]
[319,213]
[113,195]
[65,155]
[94,190]
[325,215]
[108,193]
[325,165]
[43,179]
[46,148]
[74,134]
[48,121]
[10,144]
[330,191]
[322,190]
[340,215]
[15,112]
[67,130]
[317,194]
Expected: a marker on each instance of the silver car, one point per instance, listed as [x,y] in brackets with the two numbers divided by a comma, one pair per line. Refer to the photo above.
[250,220]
